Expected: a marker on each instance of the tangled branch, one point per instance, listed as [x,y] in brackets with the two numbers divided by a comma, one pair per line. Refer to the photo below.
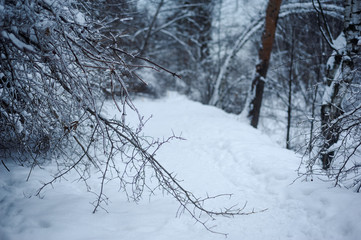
[53,71]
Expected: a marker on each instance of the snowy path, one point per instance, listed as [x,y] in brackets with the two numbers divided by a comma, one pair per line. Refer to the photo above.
[221,155]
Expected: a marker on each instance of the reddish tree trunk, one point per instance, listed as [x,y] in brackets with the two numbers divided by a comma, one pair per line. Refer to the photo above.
[264,55]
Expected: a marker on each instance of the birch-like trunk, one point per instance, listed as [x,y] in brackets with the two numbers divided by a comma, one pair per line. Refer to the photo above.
[352,32]
[330,110]
[344,70]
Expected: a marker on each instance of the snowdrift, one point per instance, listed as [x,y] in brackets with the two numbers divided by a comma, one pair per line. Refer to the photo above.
[220,154]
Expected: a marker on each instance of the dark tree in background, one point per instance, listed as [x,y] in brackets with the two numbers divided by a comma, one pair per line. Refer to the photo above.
[191,37]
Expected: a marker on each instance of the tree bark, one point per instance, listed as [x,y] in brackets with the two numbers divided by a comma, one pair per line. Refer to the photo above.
[353,39]
[264,54]
[330,110]
[290,87]
[349,65]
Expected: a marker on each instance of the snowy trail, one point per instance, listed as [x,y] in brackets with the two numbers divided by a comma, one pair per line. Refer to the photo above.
[220,155]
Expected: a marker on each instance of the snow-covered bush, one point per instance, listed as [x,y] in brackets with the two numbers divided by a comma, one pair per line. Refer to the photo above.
[54,71]
[41,74]
[55,67]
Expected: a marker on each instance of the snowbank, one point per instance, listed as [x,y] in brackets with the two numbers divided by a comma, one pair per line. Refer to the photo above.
[220,155]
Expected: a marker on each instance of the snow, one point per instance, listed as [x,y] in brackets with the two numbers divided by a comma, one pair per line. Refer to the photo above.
[221,154]
[79,18]
[340,43]
[18,43]
[304,7]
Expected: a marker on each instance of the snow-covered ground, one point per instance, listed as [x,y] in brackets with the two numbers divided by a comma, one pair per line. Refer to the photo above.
[221,154]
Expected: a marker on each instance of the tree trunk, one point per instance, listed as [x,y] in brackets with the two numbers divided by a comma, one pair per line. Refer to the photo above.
[352,68]
[290,80]
[256,93]
[345,69]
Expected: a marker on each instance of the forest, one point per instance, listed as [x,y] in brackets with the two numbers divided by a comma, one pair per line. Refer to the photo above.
[73,74]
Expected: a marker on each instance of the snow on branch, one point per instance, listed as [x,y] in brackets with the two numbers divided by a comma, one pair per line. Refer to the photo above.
[53,77]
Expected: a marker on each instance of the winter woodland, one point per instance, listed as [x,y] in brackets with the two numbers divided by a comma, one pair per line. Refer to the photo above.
[99,96]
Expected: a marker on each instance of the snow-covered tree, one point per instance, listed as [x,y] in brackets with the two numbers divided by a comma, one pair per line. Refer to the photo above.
[339,137]
[54,63]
